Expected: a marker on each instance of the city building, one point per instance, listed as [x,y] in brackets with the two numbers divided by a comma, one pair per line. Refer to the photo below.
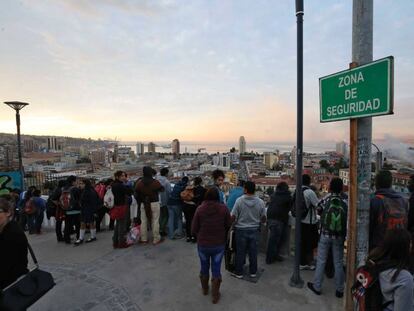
[270,159]
[98,156]
[52,144]
[293,156]
[28,145]
[140,149]
[344,175]
[342,148]
[175,146]
[151,147]
[242,145]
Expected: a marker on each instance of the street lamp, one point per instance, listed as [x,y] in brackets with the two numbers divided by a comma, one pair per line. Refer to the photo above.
[17,106]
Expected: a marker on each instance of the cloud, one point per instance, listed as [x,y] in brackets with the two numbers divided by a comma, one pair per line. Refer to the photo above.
[95,8]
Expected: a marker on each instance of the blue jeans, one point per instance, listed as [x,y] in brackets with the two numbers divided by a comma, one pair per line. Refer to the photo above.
[175,220]
[277,235]
[211,255]
[326,242]
[246,243]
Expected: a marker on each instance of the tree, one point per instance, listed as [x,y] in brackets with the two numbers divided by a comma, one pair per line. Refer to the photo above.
[324,164]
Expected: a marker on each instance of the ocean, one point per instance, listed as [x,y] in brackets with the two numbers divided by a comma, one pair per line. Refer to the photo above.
[259,147]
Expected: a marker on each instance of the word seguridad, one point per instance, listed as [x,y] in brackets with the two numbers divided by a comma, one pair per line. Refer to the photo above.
[354,107]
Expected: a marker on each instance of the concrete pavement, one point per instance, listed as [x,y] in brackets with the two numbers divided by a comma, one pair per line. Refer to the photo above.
[164,277]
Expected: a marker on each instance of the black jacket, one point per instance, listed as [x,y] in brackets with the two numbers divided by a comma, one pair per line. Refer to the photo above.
[279,207]
[13,258]
[120,193]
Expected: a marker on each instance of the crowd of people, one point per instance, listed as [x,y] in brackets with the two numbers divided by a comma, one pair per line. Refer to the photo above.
[151,209]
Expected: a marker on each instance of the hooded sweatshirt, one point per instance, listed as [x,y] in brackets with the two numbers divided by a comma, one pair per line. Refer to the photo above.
[400,292]
[376,230]
[164,195]
[248,210]
[210,224]
[279,207]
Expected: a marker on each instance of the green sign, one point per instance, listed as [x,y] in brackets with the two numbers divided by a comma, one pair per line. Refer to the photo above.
[364,91]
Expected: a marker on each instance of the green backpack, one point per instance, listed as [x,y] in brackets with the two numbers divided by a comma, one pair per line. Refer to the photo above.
[334,218]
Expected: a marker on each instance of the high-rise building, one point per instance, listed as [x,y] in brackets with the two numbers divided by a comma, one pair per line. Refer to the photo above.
[293,156]
[28,145]
[270,159]
[151,147]
[52,144]
[242,145]
[342,148]
[140,149]
[175,146]
[98,156]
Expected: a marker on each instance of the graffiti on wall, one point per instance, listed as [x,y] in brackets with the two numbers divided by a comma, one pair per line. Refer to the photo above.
[9,181]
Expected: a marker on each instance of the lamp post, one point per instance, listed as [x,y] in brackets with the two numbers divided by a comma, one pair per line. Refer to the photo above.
[17,106]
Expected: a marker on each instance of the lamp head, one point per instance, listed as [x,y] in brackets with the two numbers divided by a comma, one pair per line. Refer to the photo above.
[16,105]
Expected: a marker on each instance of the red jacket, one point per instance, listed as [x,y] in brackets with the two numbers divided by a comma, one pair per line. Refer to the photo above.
[210,224]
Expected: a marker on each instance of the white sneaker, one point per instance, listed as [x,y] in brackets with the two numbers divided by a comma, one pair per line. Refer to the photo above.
[253,275]
[304,267]
[238,276]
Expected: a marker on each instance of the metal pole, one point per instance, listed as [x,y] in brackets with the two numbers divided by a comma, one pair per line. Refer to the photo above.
[19,150]
[362,37]
[361,140]
[295,280]
[352,215]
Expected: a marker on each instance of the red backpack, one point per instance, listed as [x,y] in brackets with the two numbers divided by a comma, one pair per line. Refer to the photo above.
[100,190]
[393,215]
[64,199]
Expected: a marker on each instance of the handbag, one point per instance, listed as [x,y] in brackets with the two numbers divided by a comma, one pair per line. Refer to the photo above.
[118,212]
[230,251]
[26,290]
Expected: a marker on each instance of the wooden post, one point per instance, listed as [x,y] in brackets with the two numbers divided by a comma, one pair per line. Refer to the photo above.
[352,211]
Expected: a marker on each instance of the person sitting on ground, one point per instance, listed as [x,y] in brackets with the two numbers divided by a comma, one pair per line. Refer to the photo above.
[277,221]
[333,232]
[388,209]
[247,214]
[89,202]
[210,224]
[13,246]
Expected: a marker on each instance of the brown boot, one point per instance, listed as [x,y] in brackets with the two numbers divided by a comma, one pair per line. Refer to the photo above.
[204,283]
[215,289]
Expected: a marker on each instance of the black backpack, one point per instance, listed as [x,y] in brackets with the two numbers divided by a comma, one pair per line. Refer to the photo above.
[366,290]
[305,209]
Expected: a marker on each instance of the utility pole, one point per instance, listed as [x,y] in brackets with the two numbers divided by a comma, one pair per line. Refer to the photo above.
[295,280]
[360,141]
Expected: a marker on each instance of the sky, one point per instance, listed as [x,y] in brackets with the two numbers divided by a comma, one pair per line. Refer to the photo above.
[205,71]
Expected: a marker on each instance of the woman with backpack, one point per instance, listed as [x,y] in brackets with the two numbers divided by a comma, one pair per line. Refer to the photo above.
[392,260]
[89,202]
